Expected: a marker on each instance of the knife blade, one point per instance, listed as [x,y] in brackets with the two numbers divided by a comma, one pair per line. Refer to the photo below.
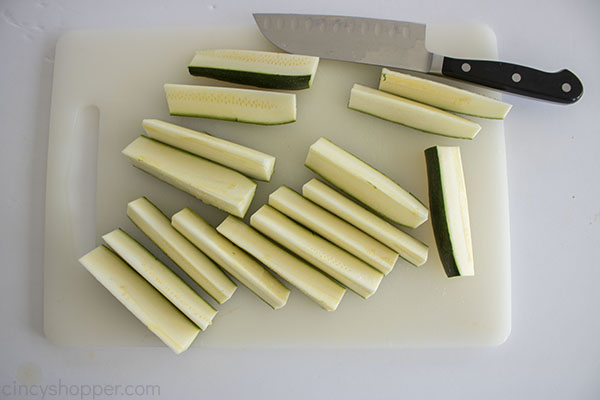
[400,44]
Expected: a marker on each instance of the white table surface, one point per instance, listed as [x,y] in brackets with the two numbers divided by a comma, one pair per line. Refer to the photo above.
[553,161]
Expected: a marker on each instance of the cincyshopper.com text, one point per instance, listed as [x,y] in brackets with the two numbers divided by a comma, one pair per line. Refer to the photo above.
[62,390]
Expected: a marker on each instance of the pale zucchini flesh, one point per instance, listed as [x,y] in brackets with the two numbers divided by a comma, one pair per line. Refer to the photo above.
[257,68]
[450,210]
[351,272]
[366,184]
[214,184]
[409,248]
[231,258]
[141,299]
[320,288]
[249,162]
[411,113]
[334,229]
[161,277]
[192,261]
[442,96]
[231,104]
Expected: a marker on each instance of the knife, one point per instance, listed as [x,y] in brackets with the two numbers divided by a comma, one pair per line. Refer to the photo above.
[399,44]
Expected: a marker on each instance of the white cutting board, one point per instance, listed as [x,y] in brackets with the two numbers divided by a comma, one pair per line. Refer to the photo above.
[106,82]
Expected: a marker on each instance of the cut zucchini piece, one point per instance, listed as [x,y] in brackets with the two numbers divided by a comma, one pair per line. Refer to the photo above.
[161,277]
[450,210]
[145,302]
[192,261]
[365,183]
[310,281]
[231,104]
[257,68]
[248,161]
[411,113]
[231,258]
[212,183]
[334,229]
[337,263]
[442,96]
[408,247]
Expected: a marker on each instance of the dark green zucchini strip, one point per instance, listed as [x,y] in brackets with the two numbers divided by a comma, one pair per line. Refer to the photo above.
[437,212]
[268,81]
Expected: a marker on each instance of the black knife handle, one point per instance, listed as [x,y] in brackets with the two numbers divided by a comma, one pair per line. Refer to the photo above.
[561,87]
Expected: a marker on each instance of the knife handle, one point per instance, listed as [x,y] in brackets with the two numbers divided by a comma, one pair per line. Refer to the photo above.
[560,87]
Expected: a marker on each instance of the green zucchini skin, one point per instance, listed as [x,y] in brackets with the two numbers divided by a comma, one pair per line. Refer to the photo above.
[437,212]
[268,81]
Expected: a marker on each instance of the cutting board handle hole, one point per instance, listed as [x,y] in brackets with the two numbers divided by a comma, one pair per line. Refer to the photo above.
[82,169]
